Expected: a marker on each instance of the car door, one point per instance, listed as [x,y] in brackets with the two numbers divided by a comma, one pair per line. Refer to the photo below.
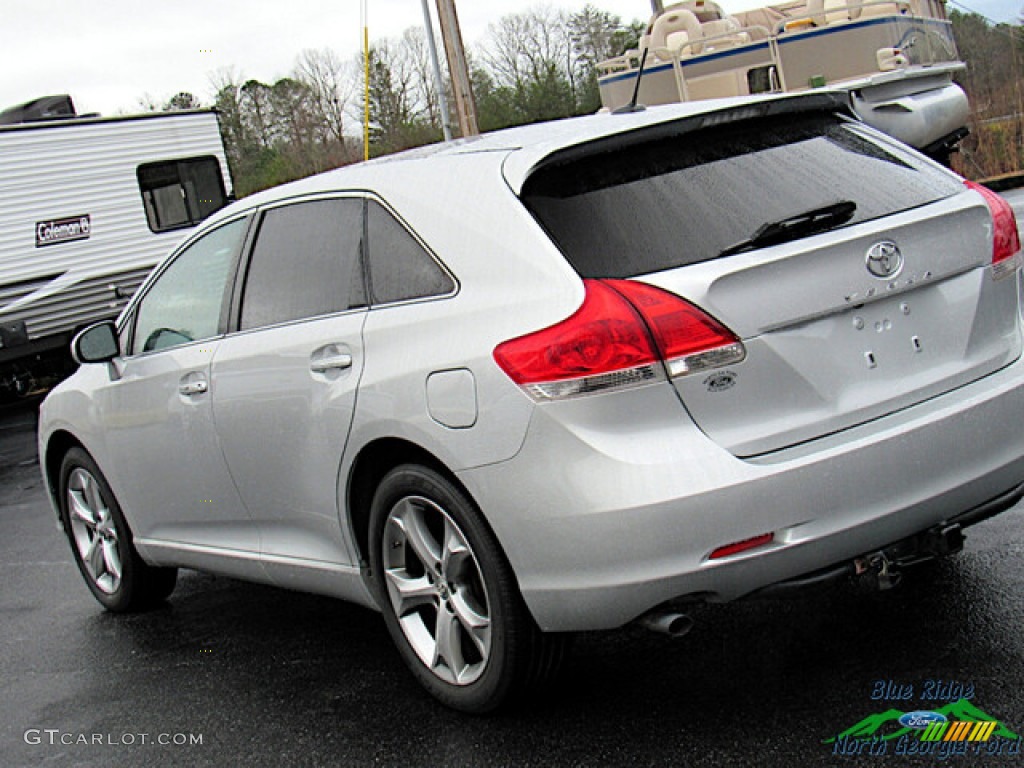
[172,477]
[286,381]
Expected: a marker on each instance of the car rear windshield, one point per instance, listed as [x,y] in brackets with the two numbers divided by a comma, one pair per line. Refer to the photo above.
[639,207]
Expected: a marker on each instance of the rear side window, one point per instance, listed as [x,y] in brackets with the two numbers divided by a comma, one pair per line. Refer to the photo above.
[305,263]
[400,268]
[669,202]
[181,193]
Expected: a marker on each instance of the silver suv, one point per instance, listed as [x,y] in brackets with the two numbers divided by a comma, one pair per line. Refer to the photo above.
[558,378]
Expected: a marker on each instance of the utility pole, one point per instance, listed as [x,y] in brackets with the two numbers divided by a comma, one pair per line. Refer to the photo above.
[465,106]
[657,6]
[442,100]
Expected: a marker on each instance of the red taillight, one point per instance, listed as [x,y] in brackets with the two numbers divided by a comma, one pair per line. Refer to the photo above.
[742,546]
[603,344]
[1005,238]
[619,337]
[687,338]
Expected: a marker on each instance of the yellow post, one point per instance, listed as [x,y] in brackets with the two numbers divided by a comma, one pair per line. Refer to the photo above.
[366,88]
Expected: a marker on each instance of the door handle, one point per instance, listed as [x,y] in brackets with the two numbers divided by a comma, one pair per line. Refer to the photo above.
[338,362]
[194,387]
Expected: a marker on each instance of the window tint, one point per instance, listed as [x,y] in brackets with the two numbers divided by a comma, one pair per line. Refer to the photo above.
[305,263]
[181,193]
[185,302]
[667,202]
[400,268]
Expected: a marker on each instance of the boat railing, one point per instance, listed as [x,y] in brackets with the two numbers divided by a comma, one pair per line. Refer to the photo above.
[630,60]
[698,45]
[888,58]
[841,13]
[878,50]
[816,16]
[707,45]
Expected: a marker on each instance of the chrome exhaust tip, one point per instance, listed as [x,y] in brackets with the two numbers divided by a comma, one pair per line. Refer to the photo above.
[668,623]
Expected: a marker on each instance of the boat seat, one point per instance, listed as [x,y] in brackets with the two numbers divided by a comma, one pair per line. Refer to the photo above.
[704,10]
[671,30]
[825,12]
[676,41]
[879,9]
[730,27]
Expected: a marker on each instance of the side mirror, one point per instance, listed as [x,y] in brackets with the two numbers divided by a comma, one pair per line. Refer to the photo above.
[96,344]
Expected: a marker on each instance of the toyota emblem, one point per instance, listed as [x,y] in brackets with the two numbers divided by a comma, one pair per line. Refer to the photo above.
[884,259]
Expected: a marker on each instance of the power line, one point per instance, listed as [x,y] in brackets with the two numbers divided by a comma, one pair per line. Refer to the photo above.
[999,27]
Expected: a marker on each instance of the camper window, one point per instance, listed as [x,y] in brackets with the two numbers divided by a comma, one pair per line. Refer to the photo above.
[181,193]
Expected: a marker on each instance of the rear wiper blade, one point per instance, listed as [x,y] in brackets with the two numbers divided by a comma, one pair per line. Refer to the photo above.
[795,227]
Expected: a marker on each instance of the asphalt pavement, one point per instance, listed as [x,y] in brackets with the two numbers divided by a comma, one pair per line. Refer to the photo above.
[227,673]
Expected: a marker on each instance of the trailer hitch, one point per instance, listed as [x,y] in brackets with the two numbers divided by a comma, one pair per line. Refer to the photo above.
[876,572]
[942,540]
[883,569]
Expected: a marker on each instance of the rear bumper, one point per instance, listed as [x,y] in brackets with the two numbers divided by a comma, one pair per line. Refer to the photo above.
[943,539]
[615,502]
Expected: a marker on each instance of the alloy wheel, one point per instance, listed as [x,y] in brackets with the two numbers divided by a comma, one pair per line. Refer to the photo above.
[437,590]
[94,530]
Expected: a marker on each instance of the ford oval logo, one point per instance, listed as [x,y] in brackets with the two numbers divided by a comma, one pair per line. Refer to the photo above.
[884,259]
[921,719]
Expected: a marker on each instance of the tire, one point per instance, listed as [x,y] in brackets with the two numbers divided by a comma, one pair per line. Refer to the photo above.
[449,597]
[102,542]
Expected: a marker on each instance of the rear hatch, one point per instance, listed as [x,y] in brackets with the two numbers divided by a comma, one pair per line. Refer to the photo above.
[857,274]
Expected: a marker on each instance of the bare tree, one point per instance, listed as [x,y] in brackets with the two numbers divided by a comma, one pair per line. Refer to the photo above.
[534,65]
[147,103]
[529,58]
[523,48]
[595,35]
[256,111]
[994,56]
[234,126]
[332,85]
[414,46]
[403,99]
[179,101]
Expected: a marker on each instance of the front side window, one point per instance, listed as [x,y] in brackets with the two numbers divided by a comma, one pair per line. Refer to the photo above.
[185,302]
[305,263]
[181,193]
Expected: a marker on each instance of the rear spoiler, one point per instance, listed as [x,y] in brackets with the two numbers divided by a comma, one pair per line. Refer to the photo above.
[832,102]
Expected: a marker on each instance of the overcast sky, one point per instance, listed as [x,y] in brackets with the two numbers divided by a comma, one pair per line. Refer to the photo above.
[108,54]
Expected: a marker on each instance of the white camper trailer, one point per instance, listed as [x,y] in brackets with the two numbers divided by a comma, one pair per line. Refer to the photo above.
[88,205]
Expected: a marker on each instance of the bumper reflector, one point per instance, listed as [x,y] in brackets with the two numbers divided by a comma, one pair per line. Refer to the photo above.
[742,546]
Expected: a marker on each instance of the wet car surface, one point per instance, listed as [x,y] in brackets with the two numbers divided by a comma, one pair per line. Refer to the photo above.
[269,677]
